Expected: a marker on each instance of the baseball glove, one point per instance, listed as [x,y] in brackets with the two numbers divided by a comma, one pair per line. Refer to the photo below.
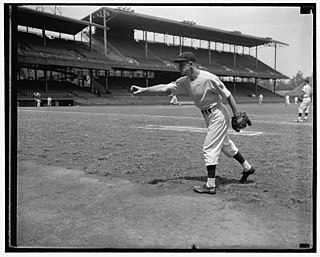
[300,99]
[240,121]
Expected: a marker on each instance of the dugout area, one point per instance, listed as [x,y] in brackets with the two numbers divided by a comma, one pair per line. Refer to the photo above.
[95,60]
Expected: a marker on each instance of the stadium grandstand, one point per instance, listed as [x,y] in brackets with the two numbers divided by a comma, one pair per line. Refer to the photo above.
[95,60]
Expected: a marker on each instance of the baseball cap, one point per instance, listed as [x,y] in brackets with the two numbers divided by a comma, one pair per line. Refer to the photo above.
[186,56]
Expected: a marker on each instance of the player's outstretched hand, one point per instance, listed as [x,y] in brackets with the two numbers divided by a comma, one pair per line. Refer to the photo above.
[136,90]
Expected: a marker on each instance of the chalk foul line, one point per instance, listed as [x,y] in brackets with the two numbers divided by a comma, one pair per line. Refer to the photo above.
[200,130]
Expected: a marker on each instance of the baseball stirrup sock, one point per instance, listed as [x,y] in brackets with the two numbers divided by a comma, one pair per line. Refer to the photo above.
[242,161]
[239,158]
[211,171]
[211,180]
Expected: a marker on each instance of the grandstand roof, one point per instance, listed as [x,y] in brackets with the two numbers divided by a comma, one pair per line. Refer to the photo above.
[121,18]
[35,19]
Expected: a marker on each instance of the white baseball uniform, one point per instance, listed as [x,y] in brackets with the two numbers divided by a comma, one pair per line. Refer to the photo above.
[207,91]
[38,101]
[260,99]
[174,100]
[287,101]
[49,99]
[304,106]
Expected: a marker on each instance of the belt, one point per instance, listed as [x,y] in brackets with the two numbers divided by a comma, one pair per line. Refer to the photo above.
[207,111]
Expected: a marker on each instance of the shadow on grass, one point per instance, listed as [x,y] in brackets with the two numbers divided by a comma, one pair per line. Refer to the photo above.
[220,180]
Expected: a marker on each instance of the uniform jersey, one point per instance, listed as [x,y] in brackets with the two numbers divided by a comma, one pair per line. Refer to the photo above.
[307,91]
[206,90]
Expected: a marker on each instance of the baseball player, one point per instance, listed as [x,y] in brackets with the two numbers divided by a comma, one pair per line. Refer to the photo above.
[38,102]
[36,97]
[174,100]
[207,90]
[260,99]
[305,99]
[287,104]
[49,99]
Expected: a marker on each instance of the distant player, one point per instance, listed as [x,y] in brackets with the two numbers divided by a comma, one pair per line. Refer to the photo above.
[207,91]
[296,100]
[305,99]
[287,104]
[174,100]
[38,102]
[49,99]
[37,96]
[260,99]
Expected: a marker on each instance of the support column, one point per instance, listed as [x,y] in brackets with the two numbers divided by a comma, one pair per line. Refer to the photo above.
[275,56]
[180,42]
[44,36]
[91,80]
[234,56]
[82,80]
[256,57]
[106,77]
[90,36]
[147,79]
[105,42]
[274,85]
[209,52]
[146,44]
[234,86]
[46,80]
[256,83]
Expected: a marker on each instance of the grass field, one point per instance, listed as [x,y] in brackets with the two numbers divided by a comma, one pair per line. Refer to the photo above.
[161,147]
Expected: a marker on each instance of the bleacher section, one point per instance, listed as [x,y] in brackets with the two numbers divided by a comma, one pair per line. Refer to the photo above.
[129,53]
[58,47]
[132,53]
[243,92]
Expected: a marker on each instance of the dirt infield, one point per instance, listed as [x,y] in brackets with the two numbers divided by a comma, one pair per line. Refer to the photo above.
[96,177]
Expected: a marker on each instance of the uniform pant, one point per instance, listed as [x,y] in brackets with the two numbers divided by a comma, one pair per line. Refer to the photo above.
[217,139]
[304,106]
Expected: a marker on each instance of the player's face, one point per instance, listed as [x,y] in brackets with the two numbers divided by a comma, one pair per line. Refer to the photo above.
[184,68]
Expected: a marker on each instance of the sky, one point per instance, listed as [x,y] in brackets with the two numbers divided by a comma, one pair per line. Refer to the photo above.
[282,23]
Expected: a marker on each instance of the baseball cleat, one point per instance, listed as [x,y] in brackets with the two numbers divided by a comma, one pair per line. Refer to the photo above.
[245,175]
[205,189]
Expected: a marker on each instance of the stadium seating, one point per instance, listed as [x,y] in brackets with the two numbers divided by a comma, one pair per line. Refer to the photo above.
[131,53]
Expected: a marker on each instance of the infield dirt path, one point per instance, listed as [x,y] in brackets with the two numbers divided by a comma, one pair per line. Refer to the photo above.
[59,207]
